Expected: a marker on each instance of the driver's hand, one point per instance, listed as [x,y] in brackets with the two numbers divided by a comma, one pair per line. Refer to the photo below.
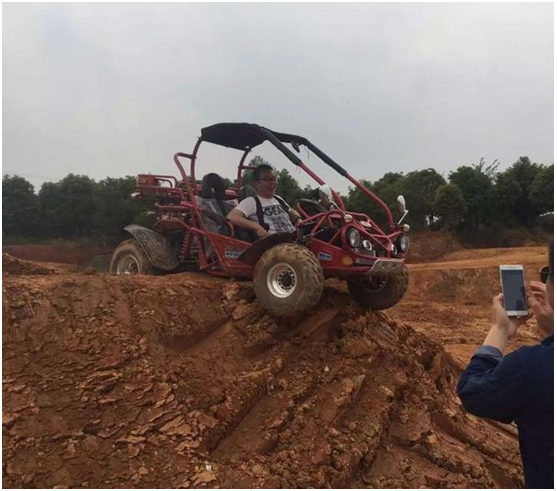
[261,232]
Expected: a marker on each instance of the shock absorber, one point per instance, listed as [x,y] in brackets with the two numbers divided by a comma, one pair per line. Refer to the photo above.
[185,250]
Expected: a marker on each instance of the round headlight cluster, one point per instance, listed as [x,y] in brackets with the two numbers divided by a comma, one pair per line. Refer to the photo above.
[354,238]
[402,243]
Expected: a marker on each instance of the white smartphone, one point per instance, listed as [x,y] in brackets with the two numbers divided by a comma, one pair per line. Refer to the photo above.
[514,290]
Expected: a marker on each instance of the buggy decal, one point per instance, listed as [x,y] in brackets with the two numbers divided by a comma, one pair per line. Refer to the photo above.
[232,254]
[323,256]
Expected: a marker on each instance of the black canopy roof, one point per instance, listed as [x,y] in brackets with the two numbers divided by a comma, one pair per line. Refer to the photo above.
[244,135]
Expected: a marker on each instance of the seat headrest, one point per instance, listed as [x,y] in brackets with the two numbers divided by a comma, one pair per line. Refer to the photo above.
[312,207]
[212,187]
[245,192]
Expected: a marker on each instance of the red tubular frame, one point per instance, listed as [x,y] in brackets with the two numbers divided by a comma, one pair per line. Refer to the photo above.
[320,181]
[223,261]
[376,198]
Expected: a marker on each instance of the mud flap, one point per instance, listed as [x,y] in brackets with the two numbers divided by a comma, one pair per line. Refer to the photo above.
[158,251]
[252,254]
[386,267]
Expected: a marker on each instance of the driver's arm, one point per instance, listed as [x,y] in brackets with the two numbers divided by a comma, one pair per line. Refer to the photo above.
[294,216]
[239,220]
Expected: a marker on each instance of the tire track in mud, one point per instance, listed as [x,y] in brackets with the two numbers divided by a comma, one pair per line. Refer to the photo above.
[183,381]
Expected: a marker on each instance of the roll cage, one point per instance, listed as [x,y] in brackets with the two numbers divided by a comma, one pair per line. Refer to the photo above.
[247,136]
[181,197]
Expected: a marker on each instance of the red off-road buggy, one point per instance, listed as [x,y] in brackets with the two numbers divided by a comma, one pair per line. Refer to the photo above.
[288,269]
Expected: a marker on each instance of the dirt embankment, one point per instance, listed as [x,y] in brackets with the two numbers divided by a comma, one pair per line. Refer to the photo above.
[14,266]
[431,246]
[450,300]
[183,381]
[63,254]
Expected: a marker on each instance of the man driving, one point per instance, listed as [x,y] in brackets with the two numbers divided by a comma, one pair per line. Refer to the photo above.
[266,213]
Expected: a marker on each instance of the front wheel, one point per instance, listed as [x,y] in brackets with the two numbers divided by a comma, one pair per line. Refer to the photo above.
[380,293]
[129,258]
[288,280]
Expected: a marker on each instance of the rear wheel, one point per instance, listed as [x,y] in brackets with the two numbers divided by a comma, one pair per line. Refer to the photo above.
[380,292]
[288,280]
[129,258]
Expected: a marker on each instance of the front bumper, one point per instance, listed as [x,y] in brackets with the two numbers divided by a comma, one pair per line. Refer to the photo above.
[386,267]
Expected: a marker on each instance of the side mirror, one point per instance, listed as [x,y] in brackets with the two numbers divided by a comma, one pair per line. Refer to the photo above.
[401,203]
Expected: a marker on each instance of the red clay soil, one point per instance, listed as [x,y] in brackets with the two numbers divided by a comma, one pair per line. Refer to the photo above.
[55,254]
[450,300]
[12,265]
[431,246]
[184,381]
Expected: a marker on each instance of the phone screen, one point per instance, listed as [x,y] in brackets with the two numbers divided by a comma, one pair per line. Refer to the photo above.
[514,291]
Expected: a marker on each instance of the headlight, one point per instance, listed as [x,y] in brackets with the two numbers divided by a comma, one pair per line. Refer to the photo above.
[354,238]
[402,243]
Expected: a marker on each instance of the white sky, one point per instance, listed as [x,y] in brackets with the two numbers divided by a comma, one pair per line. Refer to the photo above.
[117,89]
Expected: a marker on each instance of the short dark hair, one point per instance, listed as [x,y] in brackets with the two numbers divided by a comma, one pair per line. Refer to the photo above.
[259,169]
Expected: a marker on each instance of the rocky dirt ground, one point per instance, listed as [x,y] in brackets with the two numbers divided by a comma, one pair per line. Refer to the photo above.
[183,381]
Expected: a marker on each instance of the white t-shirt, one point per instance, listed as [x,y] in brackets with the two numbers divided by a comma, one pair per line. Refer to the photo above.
[273,214]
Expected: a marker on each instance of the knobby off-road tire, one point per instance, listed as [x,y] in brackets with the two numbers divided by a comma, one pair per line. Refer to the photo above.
[129,258]
[386,292]
[288,280]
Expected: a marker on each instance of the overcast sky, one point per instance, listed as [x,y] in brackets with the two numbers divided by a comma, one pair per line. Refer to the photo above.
[117,89]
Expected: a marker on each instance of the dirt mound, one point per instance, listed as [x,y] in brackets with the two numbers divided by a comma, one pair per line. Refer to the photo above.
[450,300]
[470,277]
[184,381]
[15,266]
[64,254]
[431,246]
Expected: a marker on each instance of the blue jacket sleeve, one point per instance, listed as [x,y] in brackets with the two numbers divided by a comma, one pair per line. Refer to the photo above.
[492,386]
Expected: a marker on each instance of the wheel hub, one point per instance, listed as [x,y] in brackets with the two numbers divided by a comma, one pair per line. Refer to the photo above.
[127,265]
[376,283]
[281,280]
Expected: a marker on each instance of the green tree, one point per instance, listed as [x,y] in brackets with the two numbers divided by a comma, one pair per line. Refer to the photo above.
[476,182]
[387,188]
[288,187]
[419,189]
[513,192]
[68,207]
[507,192]
[449,205]
[115,207]
[541,193]
[358,201]
[50,202]
[20,207]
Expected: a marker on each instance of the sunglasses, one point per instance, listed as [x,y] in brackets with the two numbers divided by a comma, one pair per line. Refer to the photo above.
[544,274]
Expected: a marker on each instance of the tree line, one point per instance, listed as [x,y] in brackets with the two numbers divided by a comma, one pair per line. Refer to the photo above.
[471,198]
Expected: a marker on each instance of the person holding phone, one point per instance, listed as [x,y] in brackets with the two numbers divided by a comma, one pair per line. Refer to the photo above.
[518,387]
